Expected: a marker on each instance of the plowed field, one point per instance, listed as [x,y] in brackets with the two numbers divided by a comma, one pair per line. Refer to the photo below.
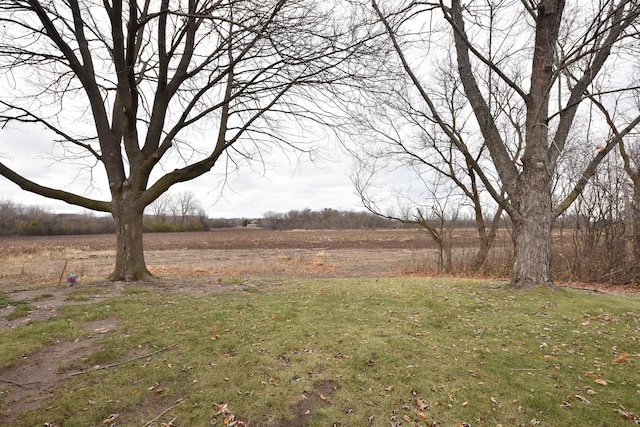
[222,252]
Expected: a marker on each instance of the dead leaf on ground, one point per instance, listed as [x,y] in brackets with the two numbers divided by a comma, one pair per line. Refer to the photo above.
[582,399]
[625,414]
[229,419]
[421,404]
[621,358]
[111,418]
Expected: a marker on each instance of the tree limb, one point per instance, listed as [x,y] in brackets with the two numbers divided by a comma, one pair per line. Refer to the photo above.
[52,193]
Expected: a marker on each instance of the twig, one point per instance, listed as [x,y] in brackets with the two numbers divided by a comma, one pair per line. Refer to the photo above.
[162,413]
[13,382]
[310,324]
[525,369]
[122,363]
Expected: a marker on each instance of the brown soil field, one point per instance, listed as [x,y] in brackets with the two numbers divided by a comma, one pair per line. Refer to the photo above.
[201,262]
[235,238]
[237,251]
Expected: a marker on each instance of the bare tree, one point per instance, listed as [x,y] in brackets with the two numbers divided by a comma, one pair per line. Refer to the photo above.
[402,137]
[160,207]
[432,210]
[187,204]
[158,93]
[567,49]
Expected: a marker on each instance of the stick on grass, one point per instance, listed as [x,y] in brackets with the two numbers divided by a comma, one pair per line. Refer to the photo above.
[162,413]
[13,382]
[121,363]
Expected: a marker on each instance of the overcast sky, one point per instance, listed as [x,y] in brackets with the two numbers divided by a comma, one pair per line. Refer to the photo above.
[283,186]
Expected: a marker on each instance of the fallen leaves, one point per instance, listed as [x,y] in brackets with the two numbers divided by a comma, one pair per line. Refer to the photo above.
[111,418]
[582,399]
[627,415]
[229,419]
[170,423]
[621,358]
[421,404]
[156,389]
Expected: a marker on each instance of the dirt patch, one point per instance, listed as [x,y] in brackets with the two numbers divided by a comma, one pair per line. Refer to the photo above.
[318,397]
[46,300]
[28,384]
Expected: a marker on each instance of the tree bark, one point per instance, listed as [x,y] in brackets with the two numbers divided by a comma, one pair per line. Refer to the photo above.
[130,264]
[532,232]
[532,195]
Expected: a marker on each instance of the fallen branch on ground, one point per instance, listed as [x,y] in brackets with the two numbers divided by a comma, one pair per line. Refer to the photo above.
[98,368]
[13,382]
[164,412]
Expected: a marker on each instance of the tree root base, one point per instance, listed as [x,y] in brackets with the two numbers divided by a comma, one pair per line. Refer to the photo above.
[129,277]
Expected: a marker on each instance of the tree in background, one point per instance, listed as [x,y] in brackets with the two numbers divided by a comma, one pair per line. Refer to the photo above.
[176,212]
[528,71]
[442,184]
[158,93]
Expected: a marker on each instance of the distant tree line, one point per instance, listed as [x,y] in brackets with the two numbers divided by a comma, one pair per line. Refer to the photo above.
[180,212]
[172,213]
[175,212]
[325,219]
[19,220]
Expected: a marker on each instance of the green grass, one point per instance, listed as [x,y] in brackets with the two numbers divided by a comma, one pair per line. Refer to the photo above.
[41,297]
[20,308]
[410,351]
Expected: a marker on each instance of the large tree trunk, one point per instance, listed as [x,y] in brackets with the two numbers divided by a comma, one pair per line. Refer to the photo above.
[532,229]
[532,197]
[130,264]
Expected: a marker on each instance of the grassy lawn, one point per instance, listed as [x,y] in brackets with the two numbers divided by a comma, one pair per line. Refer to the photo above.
[350,352]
